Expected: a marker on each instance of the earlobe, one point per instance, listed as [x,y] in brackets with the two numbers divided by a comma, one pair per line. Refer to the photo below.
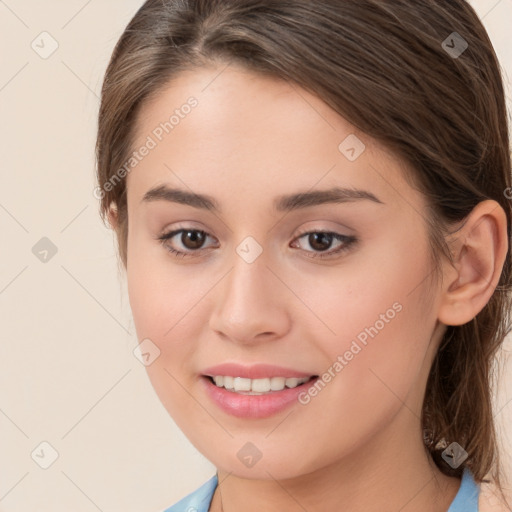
[112,216]
[479,252]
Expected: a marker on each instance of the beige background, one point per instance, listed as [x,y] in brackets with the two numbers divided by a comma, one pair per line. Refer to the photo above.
[67,372]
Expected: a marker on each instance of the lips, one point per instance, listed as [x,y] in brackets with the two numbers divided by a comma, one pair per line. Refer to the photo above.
[255,405]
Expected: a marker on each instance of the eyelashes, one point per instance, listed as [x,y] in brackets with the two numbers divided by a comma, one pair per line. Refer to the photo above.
[196,237]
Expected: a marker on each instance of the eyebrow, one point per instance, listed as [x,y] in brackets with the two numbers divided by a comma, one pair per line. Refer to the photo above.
[284,203]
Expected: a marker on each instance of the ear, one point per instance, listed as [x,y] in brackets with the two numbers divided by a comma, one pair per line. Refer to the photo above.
[479,250]
[112,216]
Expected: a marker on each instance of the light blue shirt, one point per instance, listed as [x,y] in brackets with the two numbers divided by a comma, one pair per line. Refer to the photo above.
[466,499]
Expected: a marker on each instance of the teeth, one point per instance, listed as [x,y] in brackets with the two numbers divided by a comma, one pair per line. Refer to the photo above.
[242,384]
[277,383]
[257,386]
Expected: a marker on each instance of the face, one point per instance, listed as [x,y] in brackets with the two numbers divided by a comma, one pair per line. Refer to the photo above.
[327,287]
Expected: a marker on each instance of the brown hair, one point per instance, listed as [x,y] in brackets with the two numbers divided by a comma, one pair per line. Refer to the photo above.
[385,66]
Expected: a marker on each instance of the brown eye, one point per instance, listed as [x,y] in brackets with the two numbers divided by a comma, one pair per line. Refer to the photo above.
[321,242]
[191,241]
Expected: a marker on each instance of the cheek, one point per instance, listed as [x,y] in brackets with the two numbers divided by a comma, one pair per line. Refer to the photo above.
[146,296]
[165,301]
[381,323]
[367,291]
[156,295]
[163,312]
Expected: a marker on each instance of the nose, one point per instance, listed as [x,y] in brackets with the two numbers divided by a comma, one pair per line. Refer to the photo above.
[250,303]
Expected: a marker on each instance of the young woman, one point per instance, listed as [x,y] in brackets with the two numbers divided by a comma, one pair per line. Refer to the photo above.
[311,204]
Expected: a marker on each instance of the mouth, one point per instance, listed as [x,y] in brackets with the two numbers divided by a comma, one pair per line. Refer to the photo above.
[254,391]
[263,386]
[253,399]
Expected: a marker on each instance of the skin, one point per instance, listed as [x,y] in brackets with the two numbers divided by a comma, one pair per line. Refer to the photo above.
[250,139]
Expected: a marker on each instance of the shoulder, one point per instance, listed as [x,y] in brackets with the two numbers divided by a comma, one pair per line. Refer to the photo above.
[490,500]
[197,501]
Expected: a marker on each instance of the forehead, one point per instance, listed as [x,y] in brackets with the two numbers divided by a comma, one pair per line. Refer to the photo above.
[237,105]
[248,133]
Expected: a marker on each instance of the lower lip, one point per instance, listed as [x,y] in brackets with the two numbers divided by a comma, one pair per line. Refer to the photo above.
[254,406]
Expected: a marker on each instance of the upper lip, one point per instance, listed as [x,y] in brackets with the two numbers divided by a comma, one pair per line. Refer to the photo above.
[255,371]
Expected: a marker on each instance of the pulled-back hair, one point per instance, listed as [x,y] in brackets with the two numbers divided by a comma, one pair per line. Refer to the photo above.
[386,67]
